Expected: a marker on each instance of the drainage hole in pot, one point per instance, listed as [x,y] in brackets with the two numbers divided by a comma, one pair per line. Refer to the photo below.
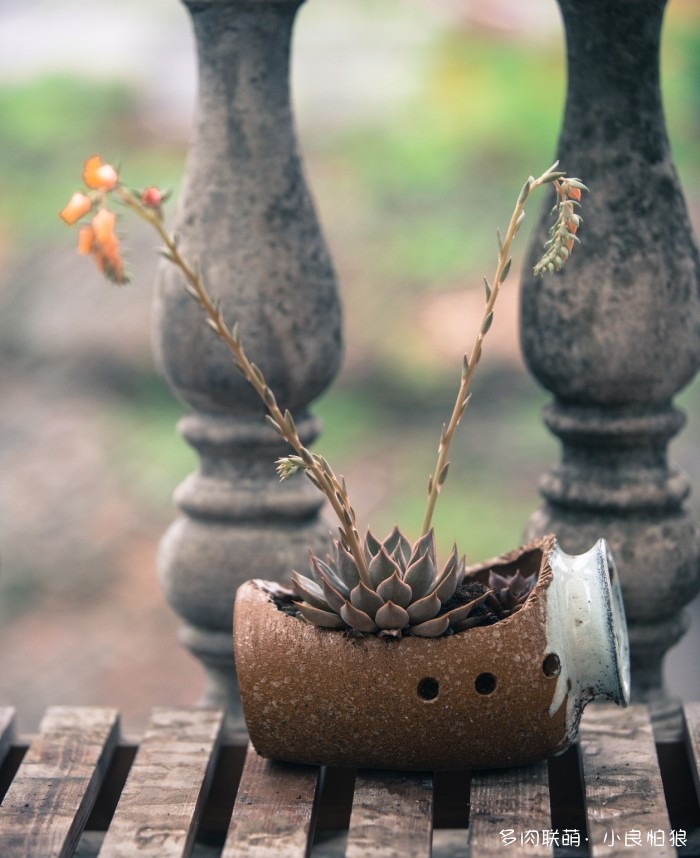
[428,688]
[551,666]
[485,683]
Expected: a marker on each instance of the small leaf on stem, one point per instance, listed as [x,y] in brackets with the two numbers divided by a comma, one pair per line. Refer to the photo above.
[271,420]
[289,422]
[506,269]
[257,372]
[525,191]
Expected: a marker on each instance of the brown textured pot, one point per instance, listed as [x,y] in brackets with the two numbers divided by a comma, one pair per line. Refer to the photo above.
[499,695]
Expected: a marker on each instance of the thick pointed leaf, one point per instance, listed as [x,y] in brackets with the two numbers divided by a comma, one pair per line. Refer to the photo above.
[521,586]
[381,567]
[346,567]
[530,582]
[461,570]
[469,623]
[497,581]
[420,575]
[517,582]
[425,543]
[432,629]
[366,600]
[456,615]
[317,617]
[321,569]
[424,609]
[450,565]
[394,590]
[391,616]
[317,567]
[309,591]
[357,619]
[394,541]
[446,588]
[402,552]
[334,599]
[372,545]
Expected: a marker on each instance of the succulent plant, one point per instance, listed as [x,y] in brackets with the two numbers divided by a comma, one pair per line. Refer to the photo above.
[400,591]
[509,592]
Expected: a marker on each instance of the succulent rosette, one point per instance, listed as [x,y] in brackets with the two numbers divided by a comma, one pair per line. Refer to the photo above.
[401,591]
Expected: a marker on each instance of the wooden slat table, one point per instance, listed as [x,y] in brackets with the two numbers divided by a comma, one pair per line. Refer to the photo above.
[80,789]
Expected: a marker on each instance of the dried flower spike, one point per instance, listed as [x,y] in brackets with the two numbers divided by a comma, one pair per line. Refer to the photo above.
[563,233]
[563,236]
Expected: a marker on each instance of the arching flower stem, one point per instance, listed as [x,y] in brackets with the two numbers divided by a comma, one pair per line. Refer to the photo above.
[316,467]
[558,249]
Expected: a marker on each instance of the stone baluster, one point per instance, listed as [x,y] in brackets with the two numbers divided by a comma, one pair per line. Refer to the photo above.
[617,334]
[245,214]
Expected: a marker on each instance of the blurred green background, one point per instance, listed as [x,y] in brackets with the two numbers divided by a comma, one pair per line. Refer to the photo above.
[418,122]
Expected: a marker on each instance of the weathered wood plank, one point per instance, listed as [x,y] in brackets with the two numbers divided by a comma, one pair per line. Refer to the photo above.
[7,724]
[691,711]
[274,810]
[392,815]
[625,804]
[510,810]
[165,791]
[49,800]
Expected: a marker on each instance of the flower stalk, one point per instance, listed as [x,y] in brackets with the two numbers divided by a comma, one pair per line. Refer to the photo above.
[316,467]
[558,249]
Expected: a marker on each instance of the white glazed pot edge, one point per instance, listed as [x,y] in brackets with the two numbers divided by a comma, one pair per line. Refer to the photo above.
[586,624]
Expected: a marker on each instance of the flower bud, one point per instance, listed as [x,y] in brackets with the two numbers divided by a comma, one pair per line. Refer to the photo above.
[99,176]
[78,205]
[152,198]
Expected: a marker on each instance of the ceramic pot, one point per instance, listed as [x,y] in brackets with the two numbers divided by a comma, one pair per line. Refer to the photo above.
[499,695]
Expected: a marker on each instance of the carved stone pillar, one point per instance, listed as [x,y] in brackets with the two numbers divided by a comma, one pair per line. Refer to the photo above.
[245,213]
[617,334]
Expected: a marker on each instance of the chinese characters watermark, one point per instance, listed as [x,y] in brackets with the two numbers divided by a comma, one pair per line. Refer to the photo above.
[573,837]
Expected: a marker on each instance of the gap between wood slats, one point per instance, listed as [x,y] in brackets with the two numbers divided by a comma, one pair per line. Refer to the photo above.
[624,794]
[275,810]
[112,786]
[7,730]
[691,714]
[392,815]
[47,804]
[684,806]
[9,758]
[162,800]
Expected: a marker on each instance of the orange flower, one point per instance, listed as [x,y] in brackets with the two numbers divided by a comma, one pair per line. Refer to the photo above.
[78,205]
[100,240]
[99,176]
[86,238]
[574,193]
